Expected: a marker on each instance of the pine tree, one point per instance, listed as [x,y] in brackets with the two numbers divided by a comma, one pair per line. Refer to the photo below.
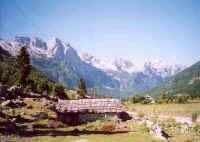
[81,90]
[59,91]
[23,65]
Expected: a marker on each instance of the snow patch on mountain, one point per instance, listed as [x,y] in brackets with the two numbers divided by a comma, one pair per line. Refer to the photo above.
[70,66]
[162,68]
[117,65]
[156,67]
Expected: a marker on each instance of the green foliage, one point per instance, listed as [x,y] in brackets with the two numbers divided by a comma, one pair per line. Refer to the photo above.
[23,65]
[196,128]
[181,99]
[137,98]
[161,98]
[59,91]
[144,128]
[183,82]
[81,90]
[36,81]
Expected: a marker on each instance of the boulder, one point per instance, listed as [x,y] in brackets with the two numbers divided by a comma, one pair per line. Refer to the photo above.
[15,91]
[13,103]
[29,106]
[5,103]
[124,116]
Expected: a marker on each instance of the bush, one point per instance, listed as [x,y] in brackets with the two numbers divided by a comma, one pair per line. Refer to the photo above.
[161,98]
[181,99]
[137,98]
[144,128]
[59,91]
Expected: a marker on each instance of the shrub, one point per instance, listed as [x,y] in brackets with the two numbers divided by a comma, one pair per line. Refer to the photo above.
[161,98]
[137,98]
[59,91]
[181,99]
[196,128]
[144,128]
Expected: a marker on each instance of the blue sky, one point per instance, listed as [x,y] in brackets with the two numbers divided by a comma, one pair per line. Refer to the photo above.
[139,30]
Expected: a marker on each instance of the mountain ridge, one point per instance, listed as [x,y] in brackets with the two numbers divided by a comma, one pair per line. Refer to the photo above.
[60,61]
[187,81]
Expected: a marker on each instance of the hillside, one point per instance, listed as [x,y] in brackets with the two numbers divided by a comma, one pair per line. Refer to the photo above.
[118,77]
[38,81]
[187,81]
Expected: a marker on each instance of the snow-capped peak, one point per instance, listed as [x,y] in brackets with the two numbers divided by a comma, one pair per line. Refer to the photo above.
[116,65]
[155,67]
[52,47]
[162,68]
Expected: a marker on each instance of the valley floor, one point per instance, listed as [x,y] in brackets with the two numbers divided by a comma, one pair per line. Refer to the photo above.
[135,130]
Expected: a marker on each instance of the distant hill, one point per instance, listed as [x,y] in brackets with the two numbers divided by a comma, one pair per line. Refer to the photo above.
[38,81]
[187,81]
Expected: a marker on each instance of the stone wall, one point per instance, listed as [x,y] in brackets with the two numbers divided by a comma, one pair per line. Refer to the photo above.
[77,118]
[87,117]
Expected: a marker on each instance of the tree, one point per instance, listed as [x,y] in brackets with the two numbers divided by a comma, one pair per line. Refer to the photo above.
[23,65]
[81,90]
[59,91]
[137,98]
[181,99]
[161,98]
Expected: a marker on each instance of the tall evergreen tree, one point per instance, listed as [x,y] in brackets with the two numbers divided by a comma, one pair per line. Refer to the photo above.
[23,65]
[59,91]
[81,90]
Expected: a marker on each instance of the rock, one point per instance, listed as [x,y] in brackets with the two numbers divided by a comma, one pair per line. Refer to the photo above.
[3,90]
[13,103]
[16,119]
[29,106]
[5,103]
[13,120]
[18,103]
[41,115]
[11,127]
[22,113]
[34,99]
[15,91]
[124,116]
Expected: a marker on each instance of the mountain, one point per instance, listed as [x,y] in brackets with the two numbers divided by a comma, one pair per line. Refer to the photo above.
[59,61]
[133,78]
[62,63]
[187,81]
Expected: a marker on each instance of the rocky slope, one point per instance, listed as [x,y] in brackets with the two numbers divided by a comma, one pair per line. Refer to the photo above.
[187,81]
[63,64]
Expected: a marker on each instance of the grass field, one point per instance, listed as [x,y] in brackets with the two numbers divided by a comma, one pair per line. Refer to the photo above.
[165,109]
[128,137]
[137,133]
